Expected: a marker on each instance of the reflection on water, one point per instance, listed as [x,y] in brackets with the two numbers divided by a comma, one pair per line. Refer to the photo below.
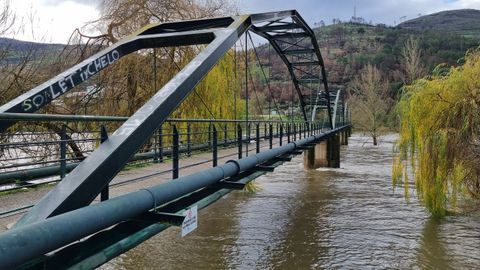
[432,250]
[329,218]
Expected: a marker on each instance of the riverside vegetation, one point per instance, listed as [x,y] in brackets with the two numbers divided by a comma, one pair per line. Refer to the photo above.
[439,136]
[353,51]
[378,66]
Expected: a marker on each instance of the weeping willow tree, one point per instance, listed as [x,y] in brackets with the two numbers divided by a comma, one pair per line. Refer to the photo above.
[216,96]
[439,137]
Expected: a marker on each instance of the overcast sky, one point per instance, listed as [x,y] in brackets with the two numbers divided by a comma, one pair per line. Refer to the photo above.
[377,11]
[54,20]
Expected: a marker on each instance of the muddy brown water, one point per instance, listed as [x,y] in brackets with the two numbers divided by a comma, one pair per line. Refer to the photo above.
[347,218]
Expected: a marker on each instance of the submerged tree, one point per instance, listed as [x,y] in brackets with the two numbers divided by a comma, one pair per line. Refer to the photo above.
[370,102]
[440,136]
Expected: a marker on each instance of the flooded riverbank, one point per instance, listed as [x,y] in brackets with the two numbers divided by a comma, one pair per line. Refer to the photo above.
[327,218]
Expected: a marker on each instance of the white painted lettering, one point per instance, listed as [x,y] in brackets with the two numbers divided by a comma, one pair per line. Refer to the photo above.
[115,55]
[90,70]
[83,75]
[98,65]
[63,86]
[47,94]
[95,66]
[53,93]
[72,83]
[27,105]
[110,59]
[123,131]
[38,100]
[104,61]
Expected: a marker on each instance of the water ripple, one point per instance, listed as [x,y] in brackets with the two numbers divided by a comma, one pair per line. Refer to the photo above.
[347,218]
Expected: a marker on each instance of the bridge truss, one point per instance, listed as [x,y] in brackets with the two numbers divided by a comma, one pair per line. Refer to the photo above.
[65,205]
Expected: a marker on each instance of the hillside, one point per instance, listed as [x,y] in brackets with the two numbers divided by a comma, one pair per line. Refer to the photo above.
[463,21]
[14,51]
[347,47]
[19,45]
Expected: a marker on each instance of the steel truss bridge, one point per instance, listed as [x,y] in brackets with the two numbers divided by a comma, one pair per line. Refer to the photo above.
[65,229]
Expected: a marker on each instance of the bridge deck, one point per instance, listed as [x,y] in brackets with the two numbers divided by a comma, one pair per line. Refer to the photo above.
[188,166]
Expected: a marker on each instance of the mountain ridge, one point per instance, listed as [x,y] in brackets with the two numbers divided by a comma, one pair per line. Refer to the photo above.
[21,45]
[462,21]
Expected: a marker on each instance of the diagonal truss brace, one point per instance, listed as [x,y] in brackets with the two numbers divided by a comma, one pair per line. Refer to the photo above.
[152,36]
[84,183]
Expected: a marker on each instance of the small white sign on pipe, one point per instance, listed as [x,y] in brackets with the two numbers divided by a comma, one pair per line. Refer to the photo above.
[190,222]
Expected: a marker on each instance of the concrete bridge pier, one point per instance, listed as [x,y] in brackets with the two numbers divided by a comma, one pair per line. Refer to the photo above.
[344,137]
[326,153]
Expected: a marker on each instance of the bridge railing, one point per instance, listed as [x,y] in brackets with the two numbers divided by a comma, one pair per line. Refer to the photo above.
[73,231]
[42,149]
[107,231]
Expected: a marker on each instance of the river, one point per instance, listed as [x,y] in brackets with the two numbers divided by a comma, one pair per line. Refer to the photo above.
[347,218]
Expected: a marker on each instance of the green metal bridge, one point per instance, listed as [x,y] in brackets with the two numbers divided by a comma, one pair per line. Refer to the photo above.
[68,229]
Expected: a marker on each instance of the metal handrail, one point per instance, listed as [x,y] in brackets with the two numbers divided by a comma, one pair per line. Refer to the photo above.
[55,232]
[34,117]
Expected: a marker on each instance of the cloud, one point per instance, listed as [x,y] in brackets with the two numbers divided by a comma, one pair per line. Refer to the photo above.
[52,22]
[59,2]
[58,18]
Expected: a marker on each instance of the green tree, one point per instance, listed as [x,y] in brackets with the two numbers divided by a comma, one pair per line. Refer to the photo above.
[439,136]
